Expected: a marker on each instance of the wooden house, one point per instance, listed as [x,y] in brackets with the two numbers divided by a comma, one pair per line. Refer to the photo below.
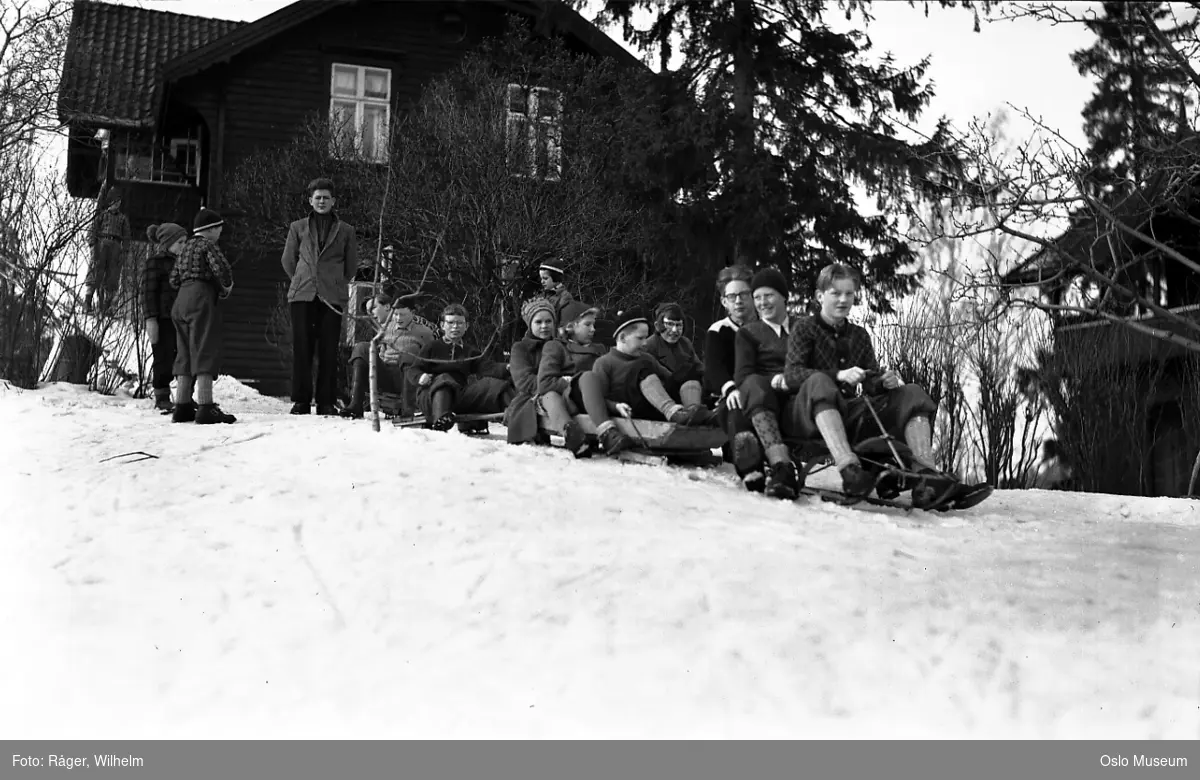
[1138,380]
[161,106]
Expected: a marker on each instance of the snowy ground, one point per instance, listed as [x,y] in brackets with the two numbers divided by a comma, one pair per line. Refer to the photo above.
[307,577]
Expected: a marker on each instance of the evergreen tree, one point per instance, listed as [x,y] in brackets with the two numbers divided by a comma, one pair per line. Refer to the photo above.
[1140,94]
[798,115]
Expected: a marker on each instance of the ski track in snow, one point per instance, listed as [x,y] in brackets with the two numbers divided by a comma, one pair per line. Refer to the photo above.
[308,577]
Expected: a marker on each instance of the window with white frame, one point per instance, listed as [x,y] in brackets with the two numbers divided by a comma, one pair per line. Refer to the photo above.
[533,130]
[360,101]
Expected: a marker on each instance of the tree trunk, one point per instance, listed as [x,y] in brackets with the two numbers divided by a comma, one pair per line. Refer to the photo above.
[743,107]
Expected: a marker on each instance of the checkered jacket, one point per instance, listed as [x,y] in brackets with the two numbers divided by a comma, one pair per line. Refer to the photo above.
[201,261]
[110,225]
[816,346]
[157,295]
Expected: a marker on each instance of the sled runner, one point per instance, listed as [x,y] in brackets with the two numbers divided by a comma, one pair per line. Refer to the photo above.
[657,441]
[889,462]
[468,423]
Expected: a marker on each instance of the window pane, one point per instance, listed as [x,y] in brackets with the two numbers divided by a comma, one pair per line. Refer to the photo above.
[517,100]
[374,131]
[341,125]
[547,104]
[345,80]
[377,83]
[518,144]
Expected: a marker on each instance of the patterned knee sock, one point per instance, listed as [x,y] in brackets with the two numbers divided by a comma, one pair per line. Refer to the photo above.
[652,388]
[692,393]
[204,384]
[829,423]
[918,435]
[183,389]
[767,428]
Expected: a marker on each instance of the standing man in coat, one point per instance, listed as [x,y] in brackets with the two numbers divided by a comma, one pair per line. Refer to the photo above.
[321,258]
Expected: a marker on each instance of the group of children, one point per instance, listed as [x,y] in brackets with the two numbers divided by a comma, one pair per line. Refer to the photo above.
[182,281]
[557,371]
[767,379]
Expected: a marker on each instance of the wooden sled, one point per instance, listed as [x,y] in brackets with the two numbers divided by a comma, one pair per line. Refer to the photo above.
[420,422]
[878,455]
[657,442]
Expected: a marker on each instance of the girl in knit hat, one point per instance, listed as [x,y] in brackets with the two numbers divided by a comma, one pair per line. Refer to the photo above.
[202,275]
[158,297]
[526,357]
[675,352]
[564,361]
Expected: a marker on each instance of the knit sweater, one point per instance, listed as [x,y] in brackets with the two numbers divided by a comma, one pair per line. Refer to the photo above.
[679,358]
[759,351]
[622,375]
[563,358]
[816,346]
[402,344]
[719,357]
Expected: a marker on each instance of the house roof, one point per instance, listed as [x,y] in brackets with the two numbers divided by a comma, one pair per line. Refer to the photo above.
[248,35]
[119,57]
[1090,233]
[114,57]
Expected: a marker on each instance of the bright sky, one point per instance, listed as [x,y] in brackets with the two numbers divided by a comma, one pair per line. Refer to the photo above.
[1023,63]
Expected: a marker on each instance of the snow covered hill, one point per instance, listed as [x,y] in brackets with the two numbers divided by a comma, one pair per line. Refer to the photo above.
[307,577]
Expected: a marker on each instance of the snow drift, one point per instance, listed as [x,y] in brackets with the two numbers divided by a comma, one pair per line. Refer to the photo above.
[305,577]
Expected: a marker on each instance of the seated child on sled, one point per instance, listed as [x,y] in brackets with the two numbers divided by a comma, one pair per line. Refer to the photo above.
[399,347]
[828,357]
[564,361]
[452,381]
[675,352]
[630,382]
[741,448]
[520,418]
[760,352]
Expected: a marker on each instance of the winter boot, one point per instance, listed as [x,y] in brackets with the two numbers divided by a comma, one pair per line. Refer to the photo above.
[473,428]
[783,480]
[890,485]
[755,481]
[857,482]
[299,408]
[443,423]
[210,414]
[358,393]
[932,490]
[162,400]
[575,439]
[694,416]
[613,441]
[185,412]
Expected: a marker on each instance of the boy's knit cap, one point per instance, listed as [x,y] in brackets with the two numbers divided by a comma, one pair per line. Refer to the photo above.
[205,219]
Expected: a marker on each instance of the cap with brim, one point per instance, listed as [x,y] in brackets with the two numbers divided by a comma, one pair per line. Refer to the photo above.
[628,318]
